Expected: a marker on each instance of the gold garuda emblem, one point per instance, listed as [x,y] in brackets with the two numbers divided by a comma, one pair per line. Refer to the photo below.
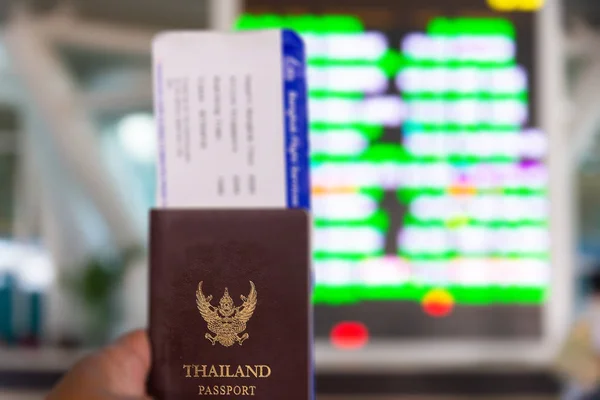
[226,321]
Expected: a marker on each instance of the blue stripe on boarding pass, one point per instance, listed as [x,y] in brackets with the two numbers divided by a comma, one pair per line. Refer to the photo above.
[297,147]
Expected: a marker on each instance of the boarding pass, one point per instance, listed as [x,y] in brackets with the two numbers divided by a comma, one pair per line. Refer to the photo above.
[231,118]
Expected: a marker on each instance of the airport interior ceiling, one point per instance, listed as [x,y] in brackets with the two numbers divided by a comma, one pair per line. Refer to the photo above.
[99,70]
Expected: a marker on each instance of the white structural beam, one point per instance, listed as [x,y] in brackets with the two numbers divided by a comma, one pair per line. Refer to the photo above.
[583,44]
[135,92]
[582,41]
[46,208]
[64,316]
[585,107]
[27,196]
[554,119]
[115,101]
[223,14]
[64,27]
[74,136]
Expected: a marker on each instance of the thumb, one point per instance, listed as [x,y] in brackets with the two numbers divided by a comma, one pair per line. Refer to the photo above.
[127,363]
[118,371]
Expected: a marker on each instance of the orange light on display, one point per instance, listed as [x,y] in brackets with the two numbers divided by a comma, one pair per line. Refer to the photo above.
[462,190]
[438,303]
[349,335]
[319,190]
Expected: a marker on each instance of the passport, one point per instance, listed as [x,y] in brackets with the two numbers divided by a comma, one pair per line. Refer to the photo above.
[230,313]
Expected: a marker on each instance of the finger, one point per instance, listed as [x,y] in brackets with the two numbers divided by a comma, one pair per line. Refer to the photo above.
[119,371]
[127,363]
[135,346]
[83,376]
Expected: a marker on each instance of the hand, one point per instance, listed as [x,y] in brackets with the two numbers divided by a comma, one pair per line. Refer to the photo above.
[117,372]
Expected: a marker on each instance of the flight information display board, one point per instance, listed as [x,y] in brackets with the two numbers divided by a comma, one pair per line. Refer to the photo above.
[429,172]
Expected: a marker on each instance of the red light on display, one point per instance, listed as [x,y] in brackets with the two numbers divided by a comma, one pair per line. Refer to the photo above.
[349,335]
[438,303]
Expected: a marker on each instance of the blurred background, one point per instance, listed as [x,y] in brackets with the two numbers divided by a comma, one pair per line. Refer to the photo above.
[455,163]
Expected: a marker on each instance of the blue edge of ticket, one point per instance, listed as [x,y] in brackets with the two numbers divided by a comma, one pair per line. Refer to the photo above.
[296,121]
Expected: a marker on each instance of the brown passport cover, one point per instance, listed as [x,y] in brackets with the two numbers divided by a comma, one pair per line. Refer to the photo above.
[247,332]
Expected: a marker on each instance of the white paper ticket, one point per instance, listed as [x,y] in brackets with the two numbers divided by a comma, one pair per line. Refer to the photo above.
[232,124]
